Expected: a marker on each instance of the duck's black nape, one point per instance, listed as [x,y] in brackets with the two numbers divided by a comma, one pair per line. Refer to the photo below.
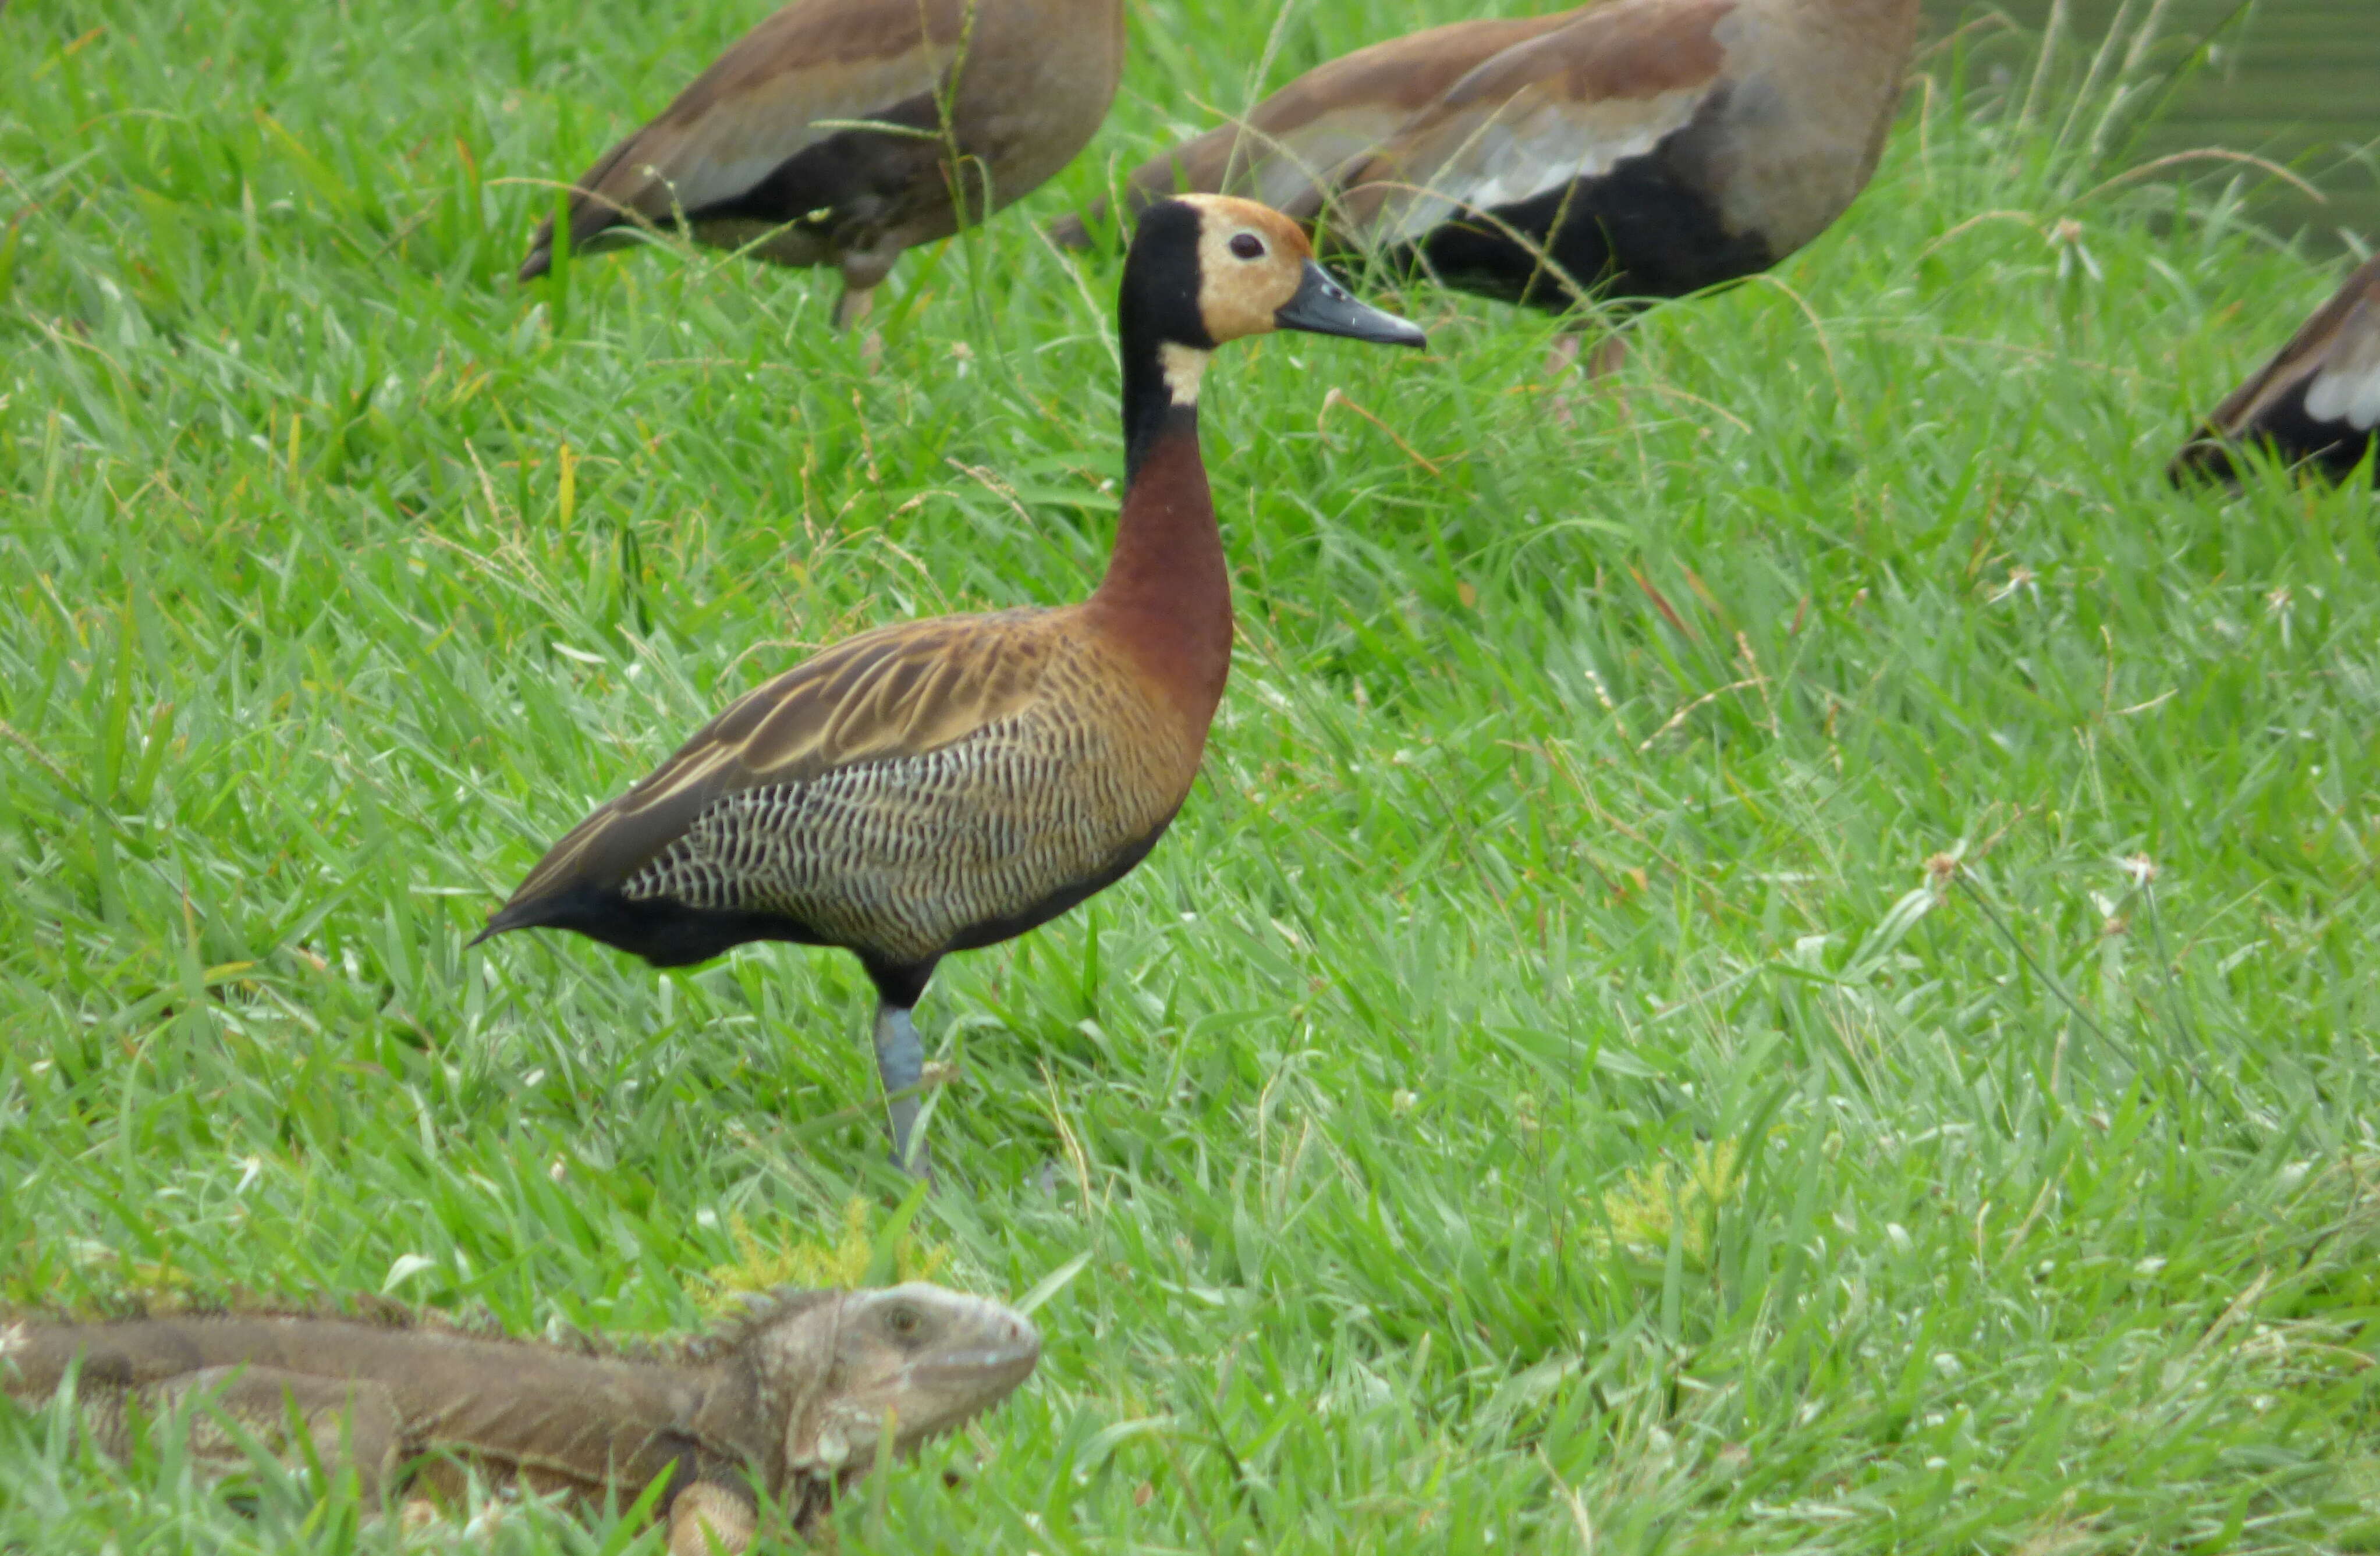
[1156,306]
[1158,300]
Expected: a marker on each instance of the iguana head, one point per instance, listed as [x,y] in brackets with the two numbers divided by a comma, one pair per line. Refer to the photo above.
[919,1359]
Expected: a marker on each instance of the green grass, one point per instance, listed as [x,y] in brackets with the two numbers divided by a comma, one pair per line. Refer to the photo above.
[1539,1093]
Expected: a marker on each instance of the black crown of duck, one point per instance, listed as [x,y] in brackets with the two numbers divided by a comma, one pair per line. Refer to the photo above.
[770,148]
[938,784]
[1648,148]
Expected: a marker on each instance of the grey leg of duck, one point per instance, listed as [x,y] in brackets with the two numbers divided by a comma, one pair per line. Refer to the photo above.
[864,269]
[901,1063]
[1558,362]
[1610,354]
[853,306]
[1601,366]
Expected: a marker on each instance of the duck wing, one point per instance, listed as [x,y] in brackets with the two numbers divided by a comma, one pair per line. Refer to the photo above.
[1564,105]
[735,137]
[1289,150]
[899,692]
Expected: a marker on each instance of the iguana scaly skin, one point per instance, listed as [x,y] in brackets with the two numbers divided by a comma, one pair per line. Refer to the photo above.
[794,1398]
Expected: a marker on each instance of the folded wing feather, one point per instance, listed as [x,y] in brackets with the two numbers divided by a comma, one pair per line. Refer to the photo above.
[1292,148]
[805,74]
[1561,106]
[898,692]
[2348,386]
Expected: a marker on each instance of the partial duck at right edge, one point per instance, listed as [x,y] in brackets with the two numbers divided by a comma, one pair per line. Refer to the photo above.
[2316,402]
[1637,149]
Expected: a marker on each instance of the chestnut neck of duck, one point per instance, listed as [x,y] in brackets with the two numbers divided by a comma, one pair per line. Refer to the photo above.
[1167,595]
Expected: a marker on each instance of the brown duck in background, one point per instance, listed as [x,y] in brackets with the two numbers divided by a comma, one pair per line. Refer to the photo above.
[1636,149]
[939,785]
[764,149]
[2316,402]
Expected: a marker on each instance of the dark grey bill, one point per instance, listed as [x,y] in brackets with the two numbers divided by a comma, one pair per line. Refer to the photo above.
[1325,307]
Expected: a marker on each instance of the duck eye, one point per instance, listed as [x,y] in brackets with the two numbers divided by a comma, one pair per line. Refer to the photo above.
[1248,245]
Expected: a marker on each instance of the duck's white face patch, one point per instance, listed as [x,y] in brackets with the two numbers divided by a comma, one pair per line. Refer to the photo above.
[1251,260]
[2348,386]
[14,1338]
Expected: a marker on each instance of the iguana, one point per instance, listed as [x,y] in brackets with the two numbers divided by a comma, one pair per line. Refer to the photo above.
[792,1397]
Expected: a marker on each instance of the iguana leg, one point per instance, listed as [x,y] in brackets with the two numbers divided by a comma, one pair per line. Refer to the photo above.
[901,1063]
[347,1422]
[709,1519]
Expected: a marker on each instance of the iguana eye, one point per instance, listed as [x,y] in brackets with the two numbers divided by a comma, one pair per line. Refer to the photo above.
[903,1322]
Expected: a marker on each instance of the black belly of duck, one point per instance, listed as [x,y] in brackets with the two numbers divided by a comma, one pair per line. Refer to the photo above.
[2289,432]
[853,181]
[668,932]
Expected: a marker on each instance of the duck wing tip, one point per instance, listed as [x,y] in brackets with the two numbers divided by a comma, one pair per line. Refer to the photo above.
[545,898]
[502,922]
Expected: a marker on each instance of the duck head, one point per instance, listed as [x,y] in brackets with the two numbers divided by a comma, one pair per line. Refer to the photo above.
[1207,269]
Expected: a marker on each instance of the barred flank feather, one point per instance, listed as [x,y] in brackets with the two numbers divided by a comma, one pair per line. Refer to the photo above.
[901,859]
[915,791]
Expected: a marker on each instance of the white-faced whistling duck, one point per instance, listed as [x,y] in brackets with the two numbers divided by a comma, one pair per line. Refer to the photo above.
[765,148]
[1636,149]
[2318,402]
[944,784]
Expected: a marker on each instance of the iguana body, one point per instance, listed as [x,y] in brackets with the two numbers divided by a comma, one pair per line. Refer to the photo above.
[793,1399]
